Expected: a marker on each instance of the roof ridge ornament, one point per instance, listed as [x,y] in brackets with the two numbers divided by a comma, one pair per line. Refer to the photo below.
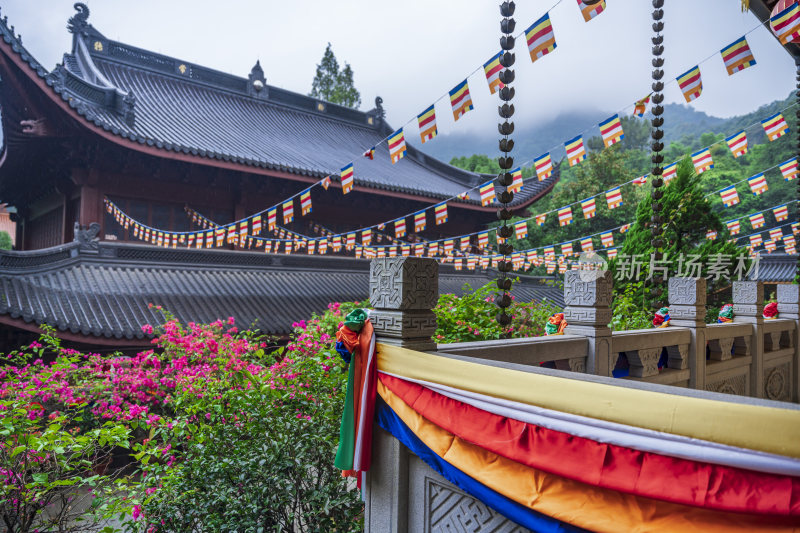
[87,237]
[256,82]
[77,23]
[379,107]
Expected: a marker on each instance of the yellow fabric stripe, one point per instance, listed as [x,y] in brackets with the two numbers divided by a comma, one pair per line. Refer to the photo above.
[753,427]
[571,501]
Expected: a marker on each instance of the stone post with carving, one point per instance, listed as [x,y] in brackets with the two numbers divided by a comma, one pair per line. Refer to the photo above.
[687,308]
[748,307]
[789,307]
[403,291]
[587,295]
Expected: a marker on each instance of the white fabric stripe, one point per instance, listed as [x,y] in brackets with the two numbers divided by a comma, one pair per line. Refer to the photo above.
[621,435]
[362,415]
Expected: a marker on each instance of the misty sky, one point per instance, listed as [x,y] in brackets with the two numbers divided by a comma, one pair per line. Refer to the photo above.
[412,52]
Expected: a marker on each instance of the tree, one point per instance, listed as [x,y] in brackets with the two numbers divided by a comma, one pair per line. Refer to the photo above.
[334,85]
[5,241]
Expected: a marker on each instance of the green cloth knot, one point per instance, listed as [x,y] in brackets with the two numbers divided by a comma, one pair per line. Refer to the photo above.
[355,320]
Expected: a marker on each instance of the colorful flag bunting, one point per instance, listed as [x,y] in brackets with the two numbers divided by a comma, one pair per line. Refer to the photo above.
[611,130]
[607,239]
[669,172]
[521,229]
[397,146]
[400,227]
[641,180]
[288,211]
[733,226]
[427,124]
[369,153]
[624,228]
[544,166]
[575,150]
[591,8]
[540,219]
[566,249]
[405,250]
[366,237]
[776,234]
[551,267]
[257,225]
[419,250]
[770,246]
[589,208]
[550,253]
[758,184]
[614,197]
[641,106]
[737,56]
[702,161]
[540,38]
[440,213]
[325,182]
[737,143]
[305,202]
[420,221]
[433,249]
[786,24]
[775,126]
[483,239]
[711,235]
[587,245]
[465,244]
[612,253]
[757,220]
[796,228]
[565,216]
[516,185]
[781,213]
[242,229]
[788,240]
[789,169]
[460,100]
[492,68]
[729,196]
[448,247]
[487,193]
[691,83]
[348,176]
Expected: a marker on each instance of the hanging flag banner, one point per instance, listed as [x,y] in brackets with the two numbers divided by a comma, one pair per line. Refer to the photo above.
[544,166]
[711,235]
[257,225]
[566,249]
[419,250]
[775,126]
[400,227]
[758,184]
[575,150]
[210,239]
[370,153]
[366,237]
[397,146]
[325,182]
[427,124]
[521,229]
[540,38]
[565,216]
[487,193]
[614,197]
[465,244]
[550,253]
[641,106]
[796,228]
[786,24]
[288,211]
[460,100]
[770,246]
[562,267]
[607,239]
[690,83]
[729,196]
[516,184]
[589,208]
[612,252]
[305,202]
[492,70]
[781,213]
[405,250]
[483,239]
[702,161]
[348,176]
[737,56]
[591,8]
[448,247]
[641,180]
[789,169]
[669,172]
[433,249]
[420,221]
[242,230]
[733,226]
[540,219]
[440,212]
[611,130]
[788,240]
[337,242]
[737,143]
[463,196]
[323,246]
[551,267]
[776,234]
[587,245]
[757,220]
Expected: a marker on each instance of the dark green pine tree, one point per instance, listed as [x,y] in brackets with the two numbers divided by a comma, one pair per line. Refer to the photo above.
[334,85]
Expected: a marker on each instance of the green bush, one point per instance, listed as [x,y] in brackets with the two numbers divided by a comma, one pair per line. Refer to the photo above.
[5,241]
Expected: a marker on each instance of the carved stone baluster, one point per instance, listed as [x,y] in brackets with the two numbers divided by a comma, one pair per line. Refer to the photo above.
[687,308]
[403,291]
[587,295]
[789,307]
[748,307]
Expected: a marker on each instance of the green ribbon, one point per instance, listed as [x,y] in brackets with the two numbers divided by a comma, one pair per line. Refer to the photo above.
[355,320]
[347,431]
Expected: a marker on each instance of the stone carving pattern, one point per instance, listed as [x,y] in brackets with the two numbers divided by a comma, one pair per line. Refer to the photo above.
[788,309]
[592,316]
[734,385]
[741,345]
[720,349]
[87,237]
[403,283]
[678,355]
[399,324]
[687,291]
[452,511]
[748,309]
[644,362]
[686,312]
[772,341]
[788,294]
[595,293]
[748,292]
[776,386]
[577,364]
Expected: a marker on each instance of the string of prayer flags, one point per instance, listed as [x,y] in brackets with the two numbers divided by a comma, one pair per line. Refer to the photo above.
[789,240]
[483,239]
[366,237]
[397,146]
[465,243]
[775,126]
[400,227]
[786,24]
[370,154]
[521,229]
[614,197]
[420,221]
[448,246]
[562,267]
[433,249]
[587,245]
[540,38]
[770,246]
[305,202]
[419,250]
[427,124]
[242,230]
[691,83]
[612,252]
[540,219]
[516,184]
[589,208]
[669,172]
[758,184]
[611,130]
[733,226]
[440,213]
[566,249]
[325,182]
[487,193]
[256,225]
[591,8]
[463,196]
[544,166]
[607,239]
[624,228]
[551,267]
[288,211]
[737,143]
[460,100]
[550,253]
[776,234]
[789,169]
[729,196]
[492,69]
[796,228]
[347,175]
[405,250]
[641,106]
[781,213]
[575,150]
[565,216]
[702,160]
[641,180]
[737,56]
[756,220]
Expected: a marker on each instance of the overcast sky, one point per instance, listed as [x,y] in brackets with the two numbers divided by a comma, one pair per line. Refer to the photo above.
[411,52]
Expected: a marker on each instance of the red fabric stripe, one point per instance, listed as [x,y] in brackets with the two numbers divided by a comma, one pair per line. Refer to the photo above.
[608,466]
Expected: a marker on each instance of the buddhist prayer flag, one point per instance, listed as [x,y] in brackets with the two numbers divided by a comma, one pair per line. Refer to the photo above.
[775,126]
[242,229]
[788,240]
[770,246]
[448,246]
[562,268]
[551,267]
[612,253]
[690,83]
[733,226]
[305,202]
[483,239]
[737,56]
[397,146]
[776,234]
[336,243]
[516,184]
[641,180]
[487,193]
[789,169]
[420,221]
[758,184]
[575,150]
[366,237]
[566,249]
[711,235]
[587,245]
[540,38]
[737,143]
[781,213]
[669,172]
[419,250]
[405,250]
[611,130]
[440,212]
[702,161]
[591,8]
[544,166]
[550,253]
[325,182]
[348,176]
[209,239]
[540,219]
[641,106]
[589,208]
[400,227]
[796,228]
[460,100]
[565,216]
[786,24]
[614,197]
[370,153]
[463,196]
[288,211]
[492,69]
[433,249]
[757,220]
[257,225]
[427,124]
[323,246]
[465,243]
[729,196]
[607,239]
[521,229]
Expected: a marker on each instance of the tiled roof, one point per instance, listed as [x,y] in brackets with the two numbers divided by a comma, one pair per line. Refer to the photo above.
[776,267]
[104,289]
